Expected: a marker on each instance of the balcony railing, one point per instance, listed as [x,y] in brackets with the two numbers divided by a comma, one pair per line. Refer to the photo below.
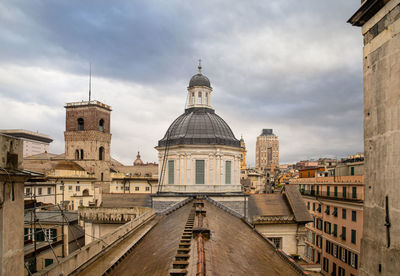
[332,195]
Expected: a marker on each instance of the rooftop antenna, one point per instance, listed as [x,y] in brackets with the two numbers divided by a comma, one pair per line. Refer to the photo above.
[199,67]
[90,82]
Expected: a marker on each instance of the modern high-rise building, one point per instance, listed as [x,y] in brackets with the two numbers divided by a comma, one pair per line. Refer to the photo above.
[267,150]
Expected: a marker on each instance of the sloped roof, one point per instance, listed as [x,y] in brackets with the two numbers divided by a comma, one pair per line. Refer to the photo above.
[126,200]
[234,248]
[285,206]
[297,203]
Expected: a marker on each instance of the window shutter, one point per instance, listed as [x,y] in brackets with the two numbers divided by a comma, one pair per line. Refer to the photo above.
[199,171]
[228,172]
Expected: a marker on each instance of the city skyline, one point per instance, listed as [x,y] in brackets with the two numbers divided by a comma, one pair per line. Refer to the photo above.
[278,66]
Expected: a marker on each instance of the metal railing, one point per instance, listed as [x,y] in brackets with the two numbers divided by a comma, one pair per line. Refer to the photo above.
[333,195]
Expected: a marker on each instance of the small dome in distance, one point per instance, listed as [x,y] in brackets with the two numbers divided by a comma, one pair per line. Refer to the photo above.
[138,161]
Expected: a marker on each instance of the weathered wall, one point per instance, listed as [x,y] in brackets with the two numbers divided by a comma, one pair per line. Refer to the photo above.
[382,141]
[11,208]
[287,232]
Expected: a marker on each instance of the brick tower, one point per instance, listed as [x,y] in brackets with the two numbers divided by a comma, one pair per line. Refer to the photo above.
[88,138]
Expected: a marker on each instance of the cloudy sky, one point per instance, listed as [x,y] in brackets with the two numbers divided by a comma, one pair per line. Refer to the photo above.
[294,66]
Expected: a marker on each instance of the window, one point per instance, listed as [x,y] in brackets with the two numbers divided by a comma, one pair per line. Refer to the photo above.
[319,208]
[228,171]
[70,187]
[81,154]
[334,230]
[199,171]
[147,189]
[49,191]
[101,176]
[354,215]
[334,251]
[81,202]
[353,236]
[325,264]
[62,187]
[354,193]
[327,210]
[352,171]
[342,272]
[343,256]
[85,192]
[193,98]
[136,189]
[81,124]
[343,235]
[28,191]
[171,171]
[313,206]
[101,125]
[308,205]
[101,153]
[200,99]
[354,260]
[39,191]
[334,212]
[48,262]
[206,99]
[77,188]
[328,246]
[328,191]
[327,227]
[77,154]
[317,190]
[344,192]
[343,213]
[51,234]
[333,269]
[126,188]
[335,191]
[277,242]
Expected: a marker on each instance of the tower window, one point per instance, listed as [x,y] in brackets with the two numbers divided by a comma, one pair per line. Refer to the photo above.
[193,98]
[200,99]
[81,124]
[101,153]
[77,155]
[200,171]
[101,125]
[81,154]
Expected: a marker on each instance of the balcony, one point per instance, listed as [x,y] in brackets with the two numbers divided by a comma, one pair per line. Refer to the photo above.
[332,195]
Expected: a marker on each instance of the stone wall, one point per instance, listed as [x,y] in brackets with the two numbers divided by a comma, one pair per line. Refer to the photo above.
[380,248]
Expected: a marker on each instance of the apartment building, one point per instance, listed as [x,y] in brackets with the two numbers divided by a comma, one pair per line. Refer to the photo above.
[336,205]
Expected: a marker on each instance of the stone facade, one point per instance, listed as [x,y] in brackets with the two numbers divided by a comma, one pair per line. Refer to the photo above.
[88,139]
[380,21]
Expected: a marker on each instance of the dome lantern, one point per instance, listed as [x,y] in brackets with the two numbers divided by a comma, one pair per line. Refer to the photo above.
[199,90]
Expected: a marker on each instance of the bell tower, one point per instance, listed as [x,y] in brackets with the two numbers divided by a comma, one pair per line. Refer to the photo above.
[88,138]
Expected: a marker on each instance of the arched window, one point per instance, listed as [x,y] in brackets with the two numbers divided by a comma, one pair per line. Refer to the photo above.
[200,98]
[101,125]
[101,153]
[77,155]
[193,98]
[81,154]
[81,124]
[85,192]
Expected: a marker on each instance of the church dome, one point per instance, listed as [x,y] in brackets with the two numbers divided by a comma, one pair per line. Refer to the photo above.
[199,126]
[199,80]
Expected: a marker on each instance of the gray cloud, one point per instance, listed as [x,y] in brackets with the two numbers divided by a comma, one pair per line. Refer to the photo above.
[294,66]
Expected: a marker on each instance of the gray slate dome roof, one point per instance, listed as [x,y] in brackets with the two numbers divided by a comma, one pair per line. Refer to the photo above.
[199,80]
[199,125]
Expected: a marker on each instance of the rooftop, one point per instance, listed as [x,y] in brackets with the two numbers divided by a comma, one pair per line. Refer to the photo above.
[23,133]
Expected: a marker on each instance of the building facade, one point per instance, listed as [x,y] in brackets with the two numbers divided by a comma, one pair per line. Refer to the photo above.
[267,150]
[380,24]
[33,142]
[334,236]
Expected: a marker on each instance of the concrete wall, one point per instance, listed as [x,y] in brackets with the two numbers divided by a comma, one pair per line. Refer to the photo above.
[382,141]
[78,258]
[11,209]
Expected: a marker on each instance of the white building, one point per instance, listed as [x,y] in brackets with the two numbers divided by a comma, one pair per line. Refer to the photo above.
[33,142]
[199,153]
